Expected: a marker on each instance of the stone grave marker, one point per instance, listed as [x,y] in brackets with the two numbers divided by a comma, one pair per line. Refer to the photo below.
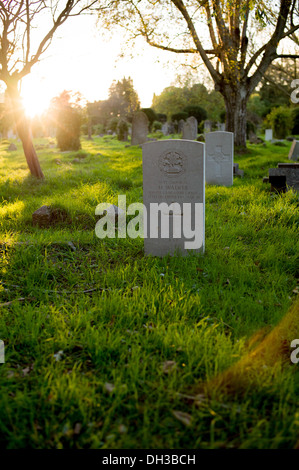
[173,197]
[181,125]
[207,126]
[165,128]
[268,135]
[285,176]
[219,158]
[190,129]
[294,152]
[139,128]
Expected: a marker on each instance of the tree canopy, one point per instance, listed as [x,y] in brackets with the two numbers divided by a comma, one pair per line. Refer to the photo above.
[236,40]
[174,99]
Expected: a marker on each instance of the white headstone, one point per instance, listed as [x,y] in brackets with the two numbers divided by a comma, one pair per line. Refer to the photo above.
[294,152]
[268,135]
[190,129]
[219,158]
[173,173]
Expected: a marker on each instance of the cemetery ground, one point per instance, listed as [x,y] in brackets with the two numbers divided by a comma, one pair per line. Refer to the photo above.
[107,348]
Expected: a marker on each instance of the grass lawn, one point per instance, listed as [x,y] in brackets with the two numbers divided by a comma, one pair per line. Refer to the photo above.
[106,348]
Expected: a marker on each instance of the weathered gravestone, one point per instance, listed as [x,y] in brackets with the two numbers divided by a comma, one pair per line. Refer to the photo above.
[207,126]
[181,125]
[294,152]
[190,129]
[139,128]
[237,171]
[173,197]
[268,135]
[171,128]
[219,158]
[165,128]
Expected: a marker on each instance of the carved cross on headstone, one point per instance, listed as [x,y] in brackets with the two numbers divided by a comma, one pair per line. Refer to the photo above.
[219,157]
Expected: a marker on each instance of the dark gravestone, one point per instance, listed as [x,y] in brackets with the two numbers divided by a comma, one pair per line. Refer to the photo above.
[42,217]
[46,216]
[285,176]
[237,171]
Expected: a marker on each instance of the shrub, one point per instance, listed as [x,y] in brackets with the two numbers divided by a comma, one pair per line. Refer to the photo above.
[161,117]
[122,130]
[68,130]
[157,125]
[112,124]
[197,111]
[98,129]
[178,116]
[281,120]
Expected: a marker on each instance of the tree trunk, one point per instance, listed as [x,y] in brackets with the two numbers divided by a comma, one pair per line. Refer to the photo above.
[236,115]
[23,130]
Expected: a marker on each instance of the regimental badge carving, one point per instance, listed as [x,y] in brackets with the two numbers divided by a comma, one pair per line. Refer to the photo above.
[172,163]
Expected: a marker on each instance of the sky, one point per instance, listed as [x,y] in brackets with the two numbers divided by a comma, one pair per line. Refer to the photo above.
[81,59]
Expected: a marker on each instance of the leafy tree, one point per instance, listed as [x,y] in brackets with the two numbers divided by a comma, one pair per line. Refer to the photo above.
[244,39]
[66,114]
[123,100]
[276,85]
[19,53]
[174,99]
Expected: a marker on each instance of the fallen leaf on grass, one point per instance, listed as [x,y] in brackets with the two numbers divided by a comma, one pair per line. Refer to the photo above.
[185,418]
[122,429]
[27,370]
[58,355]
[77,428]
[109,387]
[169,366]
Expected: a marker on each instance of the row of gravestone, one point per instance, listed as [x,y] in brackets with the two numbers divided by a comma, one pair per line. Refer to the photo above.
[175,172]
[188,128]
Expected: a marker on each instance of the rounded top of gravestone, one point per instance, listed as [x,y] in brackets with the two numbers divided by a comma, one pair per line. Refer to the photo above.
[140,116]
